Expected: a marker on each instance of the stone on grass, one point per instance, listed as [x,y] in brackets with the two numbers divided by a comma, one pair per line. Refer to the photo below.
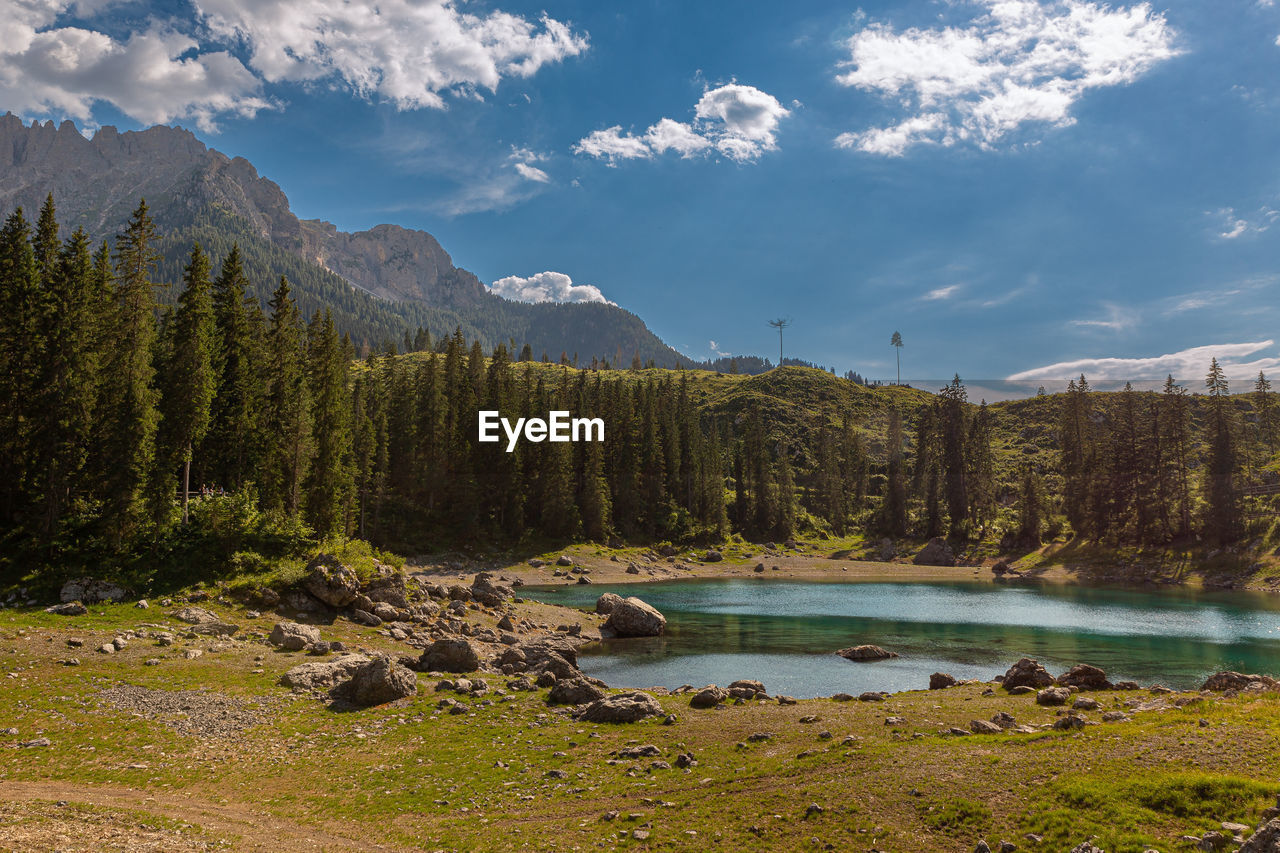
[70,608]
[1051,696]
[1027,673]
[1085,677]
[450,655]
[708,697]
[294,637]
[621,708]
[1221,681]
[331,582]
[377,682]
[91,591]
[941,681]
[323,674]
[574,691]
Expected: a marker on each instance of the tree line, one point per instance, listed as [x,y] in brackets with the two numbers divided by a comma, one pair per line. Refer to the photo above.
[117,405]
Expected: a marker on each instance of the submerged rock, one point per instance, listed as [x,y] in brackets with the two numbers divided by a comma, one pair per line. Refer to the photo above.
[866,653]
[632,617]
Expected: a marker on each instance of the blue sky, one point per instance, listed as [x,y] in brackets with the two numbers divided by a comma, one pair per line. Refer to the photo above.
[1022,187]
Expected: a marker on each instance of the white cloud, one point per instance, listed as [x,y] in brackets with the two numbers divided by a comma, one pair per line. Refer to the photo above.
[716,351]
[1020,62]
[740,122]
[1117,319]
[1231,225]
[407,52]
[1187,364]
[532,173]
[546,287]
[941,293]
[154,75]
[523,160]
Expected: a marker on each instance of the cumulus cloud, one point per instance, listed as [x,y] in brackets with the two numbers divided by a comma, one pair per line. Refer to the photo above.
[154,75]
[740,122]
[1186,364]
[406,52]
[1020,62]
[546,287]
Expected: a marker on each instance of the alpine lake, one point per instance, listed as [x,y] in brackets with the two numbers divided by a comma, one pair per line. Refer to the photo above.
[786,634]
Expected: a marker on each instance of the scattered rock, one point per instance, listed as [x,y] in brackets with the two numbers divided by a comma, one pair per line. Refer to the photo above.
[1069,723]
[1085,677]
[712,557]
[70,608]
[331,582]
[324,674]
[453,654]
[195,616]
[982,727]
[1221,681]
[872,696]
[1053,696]
[574,691]
[631,617]
[708,697]
[1027,673]
[364,617]
[1265,840]
[377,682]
[1004,720]
[866,653]
[621,708]
[294,637]
[564,560]
[842,697]
[1084,703]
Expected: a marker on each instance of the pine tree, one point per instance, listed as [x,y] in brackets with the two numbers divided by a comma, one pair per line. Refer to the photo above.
[238,366]
[188,379]
[1223,516]
[894,516]
[1263,406]
[129,394]
[1030,509]
[21,308]
[954,463]
[330,485]
[286,419]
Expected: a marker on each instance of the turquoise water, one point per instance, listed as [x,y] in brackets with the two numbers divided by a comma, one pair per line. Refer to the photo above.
[786,633]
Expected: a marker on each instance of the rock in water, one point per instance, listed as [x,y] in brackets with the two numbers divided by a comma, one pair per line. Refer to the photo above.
[322,674]
[331,582]
[294,637]
[1085,677]
[866,653]
[377,682]
[606,603]
[631,617]
[574,691]
[1027,673]
[621,708]
[936,553]
[450,655]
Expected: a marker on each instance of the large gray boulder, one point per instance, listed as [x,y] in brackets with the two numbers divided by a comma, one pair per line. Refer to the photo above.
[293,637]
[488,593]
[631,617]
[377,682]
[322,674]
[1053,696]
[1027,673]
[936,553]
[621,708]
[451,654]
[388,586]
[331,582]
[91,591]
[708,697]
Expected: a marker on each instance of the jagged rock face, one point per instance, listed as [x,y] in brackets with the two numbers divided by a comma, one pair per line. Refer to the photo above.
[96,184]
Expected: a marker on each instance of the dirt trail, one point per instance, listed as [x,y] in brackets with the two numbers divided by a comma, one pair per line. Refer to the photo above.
[240,826]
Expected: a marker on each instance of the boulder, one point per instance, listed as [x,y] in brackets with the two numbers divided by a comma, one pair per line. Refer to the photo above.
[708,697]
[564,560]
[215,629]
[1221,681]
[1265,840]
[982,727]
[621,708]
[749,684]
[606,603]
[91,591]
[377,682]
[388,586]
[322,673]
[70,608]
[1051,696]
[866,653]
[388,612]
[450,655]
[1069,723]
[941,681]
[364,617]
[631,617]
[195,616]
[1027,673]
[294,637]
[936,553]
[712,557]
[488,593]
[331,582]
[1004,720]
[1085,677]
[574,691]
